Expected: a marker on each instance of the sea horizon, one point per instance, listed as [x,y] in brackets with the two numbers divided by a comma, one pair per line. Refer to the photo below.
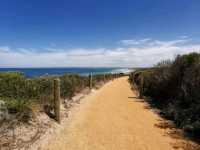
[40,71]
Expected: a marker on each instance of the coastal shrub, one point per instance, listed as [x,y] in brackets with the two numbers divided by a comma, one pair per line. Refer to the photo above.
[19,91]
[71,84]
[98,78]
[16,85]
[174,87]
[11,84]
[15,105]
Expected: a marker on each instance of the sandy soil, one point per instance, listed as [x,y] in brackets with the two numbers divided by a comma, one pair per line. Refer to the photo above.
[113,118]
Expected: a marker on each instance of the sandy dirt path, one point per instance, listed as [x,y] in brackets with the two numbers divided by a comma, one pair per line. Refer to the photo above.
[113,119]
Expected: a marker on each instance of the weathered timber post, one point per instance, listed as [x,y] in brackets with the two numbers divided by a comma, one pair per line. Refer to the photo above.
[104,78]
[57,99]
[90,80]
[141,88]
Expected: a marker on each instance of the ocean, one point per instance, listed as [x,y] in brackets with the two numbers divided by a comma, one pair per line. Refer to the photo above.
[34,72]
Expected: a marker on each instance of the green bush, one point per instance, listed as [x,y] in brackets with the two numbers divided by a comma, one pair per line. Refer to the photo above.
[15,105]
[174,87]
[70,84]
[18,91]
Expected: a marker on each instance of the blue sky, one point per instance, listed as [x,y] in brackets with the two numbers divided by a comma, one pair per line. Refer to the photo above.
[96,32]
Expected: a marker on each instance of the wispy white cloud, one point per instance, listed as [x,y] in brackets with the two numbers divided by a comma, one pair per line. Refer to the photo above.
[86,52]
[4,49]
[184,37]
[127,55]
[134,41]
[168,43]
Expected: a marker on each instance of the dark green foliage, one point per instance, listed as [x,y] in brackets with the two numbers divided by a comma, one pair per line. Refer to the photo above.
[15,85]
[71,84]
[11,83]
[15,105]
[175,88]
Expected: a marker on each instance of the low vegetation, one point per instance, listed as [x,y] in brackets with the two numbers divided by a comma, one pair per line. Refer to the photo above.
[174,87]
[20,93]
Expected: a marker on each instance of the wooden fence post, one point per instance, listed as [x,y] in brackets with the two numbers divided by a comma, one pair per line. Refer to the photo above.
[57,99]
[90,80]
[141,87]
[104,78]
